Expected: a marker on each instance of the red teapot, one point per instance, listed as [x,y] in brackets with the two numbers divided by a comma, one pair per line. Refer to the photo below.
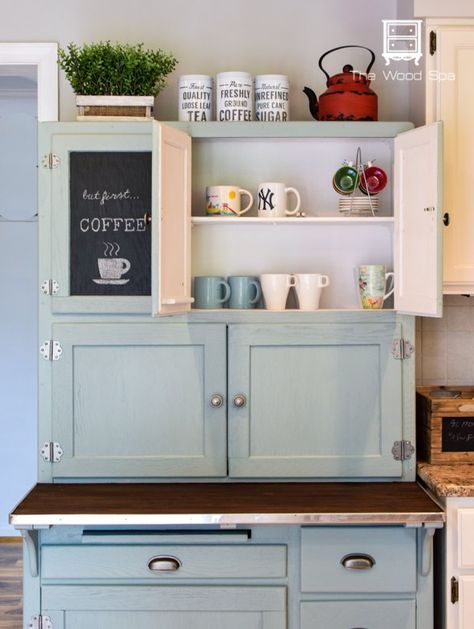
[348,96]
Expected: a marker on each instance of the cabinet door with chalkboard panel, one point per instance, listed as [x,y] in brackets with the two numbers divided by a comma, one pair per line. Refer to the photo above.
[107,183]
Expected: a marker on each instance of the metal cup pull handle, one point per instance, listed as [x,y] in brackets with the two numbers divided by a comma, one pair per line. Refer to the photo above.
[358,561]
[164,563]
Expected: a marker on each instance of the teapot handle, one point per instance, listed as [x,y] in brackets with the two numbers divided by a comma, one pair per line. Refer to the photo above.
[340,48]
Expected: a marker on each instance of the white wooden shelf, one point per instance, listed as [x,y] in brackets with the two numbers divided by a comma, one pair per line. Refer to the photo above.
[293,129]
[231,220]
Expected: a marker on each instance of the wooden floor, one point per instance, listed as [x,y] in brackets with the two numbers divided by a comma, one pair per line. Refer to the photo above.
[10,583]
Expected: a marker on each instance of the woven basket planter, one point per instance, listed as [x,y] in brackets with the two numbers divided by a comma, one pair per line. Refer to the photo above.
[114,107]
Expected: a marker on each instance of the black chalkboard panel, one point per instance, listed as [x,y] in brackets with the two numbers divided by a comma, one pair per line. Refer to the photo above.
[457,434]
[110,242]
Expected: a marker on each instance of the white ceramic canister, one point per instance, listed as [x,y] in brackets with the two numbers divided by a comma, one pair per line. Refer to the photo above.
[195,98]
[272,98]
[234,97]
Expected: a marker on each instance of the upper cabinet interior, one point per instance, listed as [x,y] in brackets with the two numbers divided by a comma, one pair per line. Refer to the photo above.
[125,211]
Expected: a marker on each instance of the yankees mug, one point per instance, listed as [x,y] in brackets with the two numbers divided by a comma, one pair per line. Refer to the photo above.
[273,200]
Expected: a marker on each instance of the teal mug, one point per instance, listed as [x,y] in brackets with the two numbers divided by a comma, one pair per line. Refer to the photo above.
[245,291]
[210,292]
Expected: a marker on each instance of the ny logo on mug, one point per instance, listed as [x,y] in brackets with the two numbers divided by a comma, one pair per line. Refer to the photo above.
[273,200]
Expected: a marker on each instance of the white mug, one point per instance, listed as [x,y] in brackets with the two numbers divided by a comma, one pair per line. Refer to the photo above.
[308,289]
[225,200]
[275,288]
[273,200]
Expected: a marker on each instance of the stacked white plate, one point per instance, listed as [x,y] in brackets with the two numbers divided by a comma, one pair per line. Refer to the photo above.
[358,206]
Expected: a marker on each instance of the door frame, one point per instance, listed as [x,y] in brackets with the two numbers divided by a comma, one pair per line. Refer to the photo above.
[43,55]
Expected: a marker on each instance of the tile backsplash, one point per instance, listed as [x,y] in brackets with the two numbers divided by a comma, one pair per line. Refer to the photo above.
[445,347]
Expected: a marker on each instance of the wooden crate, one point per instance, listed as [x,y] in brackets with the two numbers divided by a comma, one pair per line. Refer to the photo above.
[445,425]
[92,108]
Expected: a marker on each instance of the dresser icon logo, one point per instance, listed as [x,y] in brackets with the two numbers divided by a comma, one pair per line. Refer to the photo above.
[402,40]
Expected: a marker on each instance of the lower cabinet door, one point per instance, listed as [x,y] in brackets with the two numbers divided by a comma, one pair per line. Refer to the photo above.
[166,607]
[374,614]
[314,400]
[466,602]
[133,400]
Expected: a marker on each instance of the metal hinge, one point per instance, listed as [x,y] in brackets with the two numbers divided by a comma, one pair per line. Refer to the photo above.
[403,450]
[401,348]
[454,590]
[51,350]
[50,287]
[40,622]
[50,161]
[51,451]
[432,42]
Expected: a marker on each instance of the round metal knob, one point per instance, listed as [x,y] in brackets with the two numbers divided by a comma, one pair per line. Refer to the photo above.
[217,400]
[239,400]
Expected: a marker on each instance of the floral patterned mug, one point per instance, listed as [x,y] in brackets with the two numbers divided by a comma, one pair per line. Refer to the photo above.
[372,283]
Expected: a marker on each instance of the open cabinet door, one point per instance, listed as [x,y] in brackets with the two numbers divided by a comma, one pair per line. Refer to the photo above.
[171,221]
[418,228]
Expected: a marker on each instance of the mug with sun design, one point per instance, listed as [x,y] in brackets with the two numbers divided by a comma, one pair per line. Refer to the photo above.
[226,201]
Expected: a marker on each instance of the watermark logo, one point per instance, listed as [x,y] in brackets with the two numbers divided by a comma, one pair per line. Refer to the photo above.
[402,40]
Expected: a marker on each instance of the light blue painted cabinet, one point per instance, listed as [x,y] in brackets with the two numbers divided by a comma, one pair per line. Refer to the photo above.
[321,400]
[252,394]
[229,395]
[134,400]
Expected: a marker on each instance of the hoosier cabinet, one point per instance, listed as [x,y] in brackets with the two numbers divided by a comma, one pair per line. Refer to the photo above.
[251,437]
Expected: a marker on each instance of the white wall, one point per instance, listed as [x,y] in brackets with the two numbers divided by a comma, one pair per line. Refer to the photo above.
[18,279]
[260,36]
[441,8]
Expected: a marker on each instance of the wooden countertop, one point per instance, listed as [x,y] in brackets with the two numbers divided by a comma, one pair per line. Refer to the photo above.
[225,504]
[456,480]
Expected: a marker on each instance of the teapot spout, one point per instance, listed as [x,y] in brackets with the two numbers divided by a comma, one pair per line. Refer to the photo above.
[313,102]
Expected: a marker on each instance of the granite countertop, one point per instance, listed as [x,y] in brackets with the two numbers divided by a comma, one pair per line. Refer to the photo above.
[448,480]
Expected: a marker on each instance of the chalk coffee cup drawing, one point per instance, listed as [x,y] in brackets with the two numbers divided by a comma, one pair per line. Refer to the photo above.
[273,200]
[372,282]
[195,98]
[226,200]
[308,288]
[210,292]
[112,269]
[272,98]
[275,288]
[244,291]
[234,97]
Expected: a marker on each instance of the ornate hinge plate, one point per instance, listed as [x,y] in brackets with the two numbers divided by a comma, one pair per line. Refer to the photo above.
[40,622]
[403,450]
[50,287]
[51,350]
[401,348]
[50,161]
[51,452]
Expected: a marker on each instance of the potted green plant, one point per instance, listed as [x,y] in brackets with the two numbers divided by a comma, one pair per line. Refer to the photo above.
[115,79]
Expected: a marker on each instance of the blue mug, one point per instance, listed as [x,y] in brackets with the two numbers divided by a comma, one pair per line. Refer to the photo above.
[245,291]
[210,292]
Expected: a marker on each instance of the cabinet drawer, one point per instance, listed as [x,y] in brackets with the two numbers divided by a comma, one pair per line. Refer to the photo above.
[466,538]
[170,607]
[358,559]
[163,561]
[364,614]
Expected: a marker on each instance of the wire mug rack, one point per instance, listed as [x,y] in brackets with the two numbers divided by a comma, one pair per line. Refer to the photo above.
[362,204]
